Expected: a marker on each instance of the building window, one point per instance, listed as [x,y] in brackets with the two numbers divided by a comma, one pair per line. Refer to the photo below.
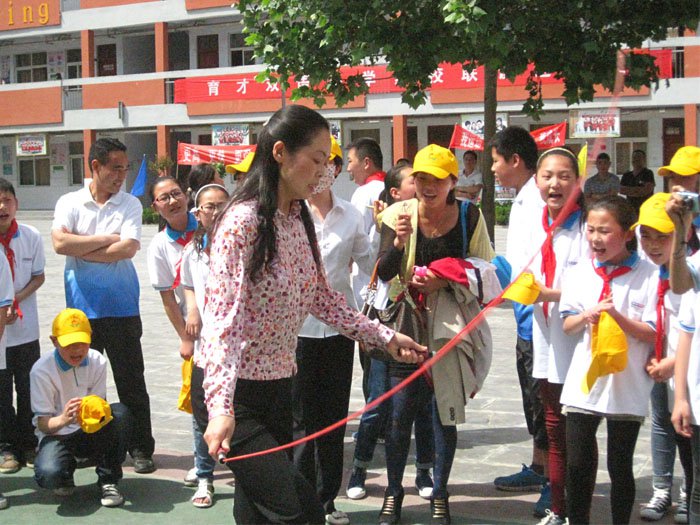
[77,162]
[241,55]
[34,172]
[31,67]
[74,63]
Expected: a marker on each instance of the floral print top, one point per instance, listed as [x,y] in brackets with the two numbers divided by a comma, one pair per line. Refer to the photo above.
[250,329]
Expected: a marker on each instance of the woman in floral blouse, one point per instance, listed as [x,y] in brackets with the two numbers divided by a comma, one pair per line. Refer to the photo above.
[266,276]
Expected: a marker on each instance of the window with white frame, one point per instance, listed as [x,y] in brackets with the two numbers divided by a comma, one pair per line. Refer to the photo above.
[74,63]
[31,67]
[77,162]
[34,172]
[241,55]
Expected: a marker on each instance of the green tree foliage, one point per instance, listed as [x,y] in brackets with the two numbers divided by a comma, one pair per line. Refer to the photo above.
[575,40]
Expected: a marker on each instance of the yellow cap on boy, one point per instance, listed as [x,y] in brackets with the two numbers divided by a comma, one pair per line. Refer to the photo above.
[71,326]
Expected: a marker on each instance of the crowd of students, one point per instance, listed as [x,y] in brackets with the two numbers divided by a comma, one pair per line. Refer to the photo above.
[258,288]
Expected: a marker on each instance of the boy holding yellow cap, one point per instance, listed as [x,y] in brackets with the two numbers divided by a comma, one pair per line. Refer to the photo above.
[69,420]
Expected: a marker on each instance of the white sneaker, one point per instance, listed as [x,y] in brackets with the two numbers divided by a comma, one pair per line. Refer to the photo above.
[337,517]
[552,519]
[658,506]
[191,478]
[111,497]
[4,503]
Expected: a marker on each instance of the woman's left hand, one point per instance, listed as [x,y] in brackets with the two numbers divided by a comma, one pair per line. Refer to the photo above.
[428,283]
[404,349]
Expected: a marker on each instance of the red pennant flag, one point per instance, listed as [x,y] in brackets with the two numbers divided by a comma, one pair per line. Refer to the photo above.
[550,136]
[462,138]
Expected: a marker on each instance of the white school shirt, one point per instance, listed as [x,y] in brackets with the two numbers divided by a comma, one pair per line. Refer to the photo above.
[687,321]
[525,216]
[634,296]
[341,239]
[363,200]
[552,348]
[53,383]
[7,295]
[193,276]
[100,289]
[164,253]
[29,261]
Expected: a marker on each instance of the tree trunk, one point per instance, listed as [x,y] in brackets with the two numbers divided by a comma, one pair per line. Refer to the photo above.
[488,206]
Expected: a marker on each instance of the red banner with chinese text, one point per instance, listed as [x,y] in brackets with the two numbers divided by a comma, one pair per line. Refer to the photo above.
[195,154]
[545,138]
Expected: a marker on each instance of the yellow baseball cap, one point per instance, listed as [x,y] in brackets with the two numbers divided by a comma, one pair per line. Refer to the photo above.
[436,161]
[336,151]
[71,326]
[652,213]
[608,349]
[685,162]
[523,290]
[94,414]
[242,166]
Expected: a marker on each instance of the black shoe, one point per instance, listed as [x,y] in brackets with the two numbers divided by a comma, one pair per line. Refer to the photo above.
[440,511]
[424,483]
[391,509]
[144,465]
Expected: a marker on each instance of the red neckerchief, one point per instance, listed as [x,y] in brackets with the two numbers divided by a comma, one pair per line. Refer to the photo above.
[660,318]
[5,240]
[377,175]
[608,277]
[182,241]
[549,258]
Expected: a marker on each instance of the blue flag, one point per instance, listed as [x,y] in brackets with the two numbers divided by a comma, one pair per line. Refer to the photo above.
[139,187]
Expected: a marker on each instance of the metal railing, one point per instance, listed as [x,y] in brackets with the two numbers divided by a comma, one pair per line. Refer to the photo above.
[72,97]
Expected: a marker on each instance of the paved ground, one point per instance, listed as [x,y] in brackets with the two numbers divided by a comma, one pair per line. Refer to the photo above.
[493,441]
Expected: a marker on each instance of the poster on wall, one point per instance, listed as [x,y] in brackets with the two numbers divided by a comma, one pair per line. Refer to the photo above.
[474,122]
[55,60]
[592,123]
[6,153]
[59,153]
[335,130]
[31,145]
[230,135]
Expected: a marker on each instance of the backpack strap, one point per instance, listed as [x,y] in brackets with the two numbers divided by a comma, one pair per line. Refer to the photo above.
[463,207]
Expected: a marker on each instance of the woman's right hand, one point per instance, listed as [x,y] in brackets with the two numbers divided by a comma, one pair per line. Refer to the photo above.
[405,350]
[218,434]
[403,231]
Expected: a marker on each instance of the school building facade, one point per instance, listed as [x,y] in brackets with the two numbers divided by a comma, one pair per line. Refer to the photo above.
[155,73]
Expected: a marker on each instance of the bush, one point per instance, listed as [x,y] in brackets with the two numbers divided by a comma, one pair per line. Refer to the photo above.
[150,216]
[503,212]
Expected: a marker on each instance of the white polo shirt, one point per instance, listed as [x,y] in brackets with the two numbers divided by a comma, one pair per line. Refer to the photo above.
[29,262]
[525,216]
[687,321]
[552,348]
[54,382]
[164,255]
[341,238]
[7,295]
[634,295]
[194,272]
[100,289]
[363,200]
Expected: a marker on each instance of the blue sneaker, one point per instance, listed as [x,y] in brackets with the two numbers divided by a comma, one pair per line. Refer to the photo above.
[524,481]
[544,504]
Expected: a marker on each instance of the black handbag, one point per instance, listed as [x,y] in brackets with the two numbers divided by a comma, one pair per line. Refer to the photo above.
[402,316]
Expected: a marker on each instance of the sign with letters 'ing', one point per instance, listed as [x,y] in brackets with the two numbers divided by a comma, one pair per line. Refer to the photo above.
[22,14]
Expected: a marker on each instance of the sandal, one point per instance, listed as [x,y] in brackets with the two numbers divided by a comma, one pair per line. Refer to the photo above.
[204,496]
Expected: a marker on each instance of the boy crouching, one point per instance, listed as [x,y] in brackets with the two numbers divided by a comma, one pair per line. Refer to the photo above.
[68,388]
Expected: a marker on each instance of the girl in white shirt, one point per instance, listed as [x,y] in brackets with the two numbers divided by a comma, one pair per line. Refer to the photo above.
[622,285]
[208,201]
[563,246]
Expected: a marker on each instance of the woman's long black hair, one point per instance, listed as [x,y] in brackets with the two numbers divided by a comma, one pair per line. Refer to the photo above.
[295,126]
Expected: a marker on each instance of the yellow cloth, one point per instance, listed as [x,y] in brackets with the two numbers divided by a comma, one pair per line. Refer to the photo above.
[94,414]
[608,351]
[184,400]
[523,290]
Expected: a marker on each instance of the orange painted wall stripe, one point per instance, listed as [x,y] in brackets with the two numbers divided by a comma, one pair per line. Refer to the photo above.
[226,107]
[31,106]
[89,4]
[135,93]
[193,5]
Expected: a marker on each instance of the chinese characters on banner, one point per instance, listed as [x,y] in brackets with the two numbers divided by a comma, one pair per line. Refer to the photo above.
[547,137]
[192,154]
